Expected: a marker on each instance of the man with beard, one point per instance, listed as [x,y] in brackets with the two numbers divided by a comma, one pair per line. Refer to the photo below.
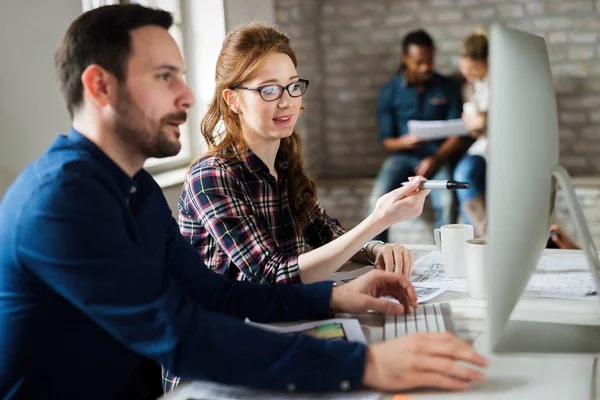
[417,93]
[97,286]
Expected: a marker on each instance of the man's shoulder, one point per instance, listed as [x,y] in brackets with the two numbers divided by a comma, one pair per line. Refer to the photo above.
[396,82]
[58,177]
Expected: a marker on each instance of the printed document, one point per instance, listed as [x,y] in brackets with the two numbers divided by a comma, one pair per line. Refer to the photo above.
[564,276]
[431,130]
[425,291]
[337,328]
[200,390]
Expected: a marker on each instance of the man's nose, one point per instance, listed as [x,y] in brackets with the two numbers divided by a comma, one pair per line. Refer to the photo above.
[186,99]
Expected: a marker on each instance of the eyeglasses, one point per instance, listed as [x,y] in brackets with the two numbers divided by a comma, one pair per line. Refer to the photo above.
[274,92]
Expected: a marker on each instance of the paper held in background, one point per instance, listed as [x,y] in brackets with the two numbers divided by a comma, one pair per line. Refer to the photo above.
[430,130]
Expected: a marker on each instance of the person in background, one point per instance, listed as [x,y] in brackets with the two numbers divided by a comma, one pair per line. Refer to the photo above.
[417,93]
[98,286]
[248,206]
[472,166]
[559,239]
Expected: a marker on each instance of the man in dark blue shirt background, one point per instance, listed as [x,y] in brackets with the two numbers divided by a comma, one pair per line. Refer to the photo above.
[97,286]
[417,93]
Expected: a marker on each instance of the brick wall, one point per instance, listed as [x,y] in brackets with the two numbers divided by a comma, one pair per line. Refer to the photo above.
[349,48]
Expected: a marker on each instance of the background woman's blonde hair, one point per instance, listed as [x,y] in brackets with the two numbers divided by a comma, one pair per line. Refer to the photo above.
[243,53]
[475,46]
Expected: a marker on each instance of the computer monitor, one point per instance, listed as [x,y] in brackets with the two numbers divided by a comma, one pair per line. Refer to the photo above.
[522,173]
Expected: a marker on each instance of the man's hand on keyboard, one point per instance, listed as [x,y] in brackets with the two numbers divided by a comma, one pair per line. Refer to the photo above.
[395,258]
[422,360]
[363,294]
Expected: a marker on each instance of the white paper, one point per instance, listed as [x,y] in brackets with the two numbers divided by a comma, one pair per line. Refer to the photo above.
[428,291]
[425,291]
[336,328]
[200,390]
[430,130]
[562,276]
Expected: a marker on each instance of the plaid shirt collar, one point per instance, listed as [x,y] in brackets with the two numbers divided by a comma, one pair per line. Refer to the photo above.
[255,164]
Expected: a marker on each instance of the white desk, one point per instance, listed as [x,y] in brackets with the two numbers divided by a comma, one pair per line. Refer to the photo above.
[469,317]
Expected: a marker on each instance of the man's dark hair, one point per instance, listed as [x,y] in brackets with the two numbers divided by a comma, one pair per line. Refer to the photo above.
[101,36]
[418,38]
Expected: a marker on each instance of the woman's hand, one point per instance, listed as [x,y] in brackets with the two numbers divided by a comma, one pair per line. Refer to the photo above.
[475,122]
[393,257]
[400,204]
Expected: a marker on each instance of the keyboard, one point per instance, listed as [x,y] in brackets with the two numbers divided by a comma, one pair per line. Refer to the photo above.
[426,318]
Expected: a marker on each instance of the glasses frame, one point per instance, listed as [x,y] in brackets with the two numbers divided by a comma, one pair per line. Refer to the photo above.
[283,89]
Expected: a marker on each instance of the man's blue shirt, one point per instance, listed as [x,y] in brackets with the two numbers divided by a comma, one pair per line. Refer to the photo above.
[400,102]
[95,278]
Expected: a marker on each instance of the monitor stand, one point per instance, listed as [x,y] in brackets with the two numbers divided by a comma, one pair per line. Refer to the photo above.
[546,337]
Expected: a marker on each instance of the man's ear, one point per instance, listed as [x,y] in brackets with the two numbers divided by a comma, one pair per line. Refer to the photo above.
[99,85]
[232,100]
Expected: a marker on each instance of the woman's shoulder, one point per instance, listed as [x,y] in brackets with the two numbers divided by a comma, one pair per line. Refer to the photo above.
[213,165]
[214,161]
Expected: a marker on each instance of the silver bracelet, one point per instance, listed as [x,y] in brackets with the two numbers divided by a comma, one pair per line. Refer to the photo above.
[365,253]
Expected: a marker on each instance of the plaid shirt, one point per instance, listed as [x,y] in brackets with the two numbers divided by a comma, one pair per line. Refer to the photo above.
[239,219]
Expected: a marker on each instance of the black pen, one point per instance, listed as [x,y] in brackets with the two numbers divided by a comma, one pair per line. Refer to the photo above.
[445,185]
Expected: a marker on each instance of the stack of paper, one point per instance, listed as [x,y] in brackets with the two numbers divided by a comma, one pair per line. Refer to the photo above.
[430,130]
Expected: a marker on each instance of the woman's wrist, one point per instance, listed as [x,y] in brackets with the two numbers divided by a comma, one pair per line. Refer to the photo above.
[371,249]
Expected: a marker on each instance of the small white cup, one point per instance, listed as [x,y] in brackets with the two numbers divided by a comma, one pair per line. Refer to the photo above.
[450,241]
[475,251]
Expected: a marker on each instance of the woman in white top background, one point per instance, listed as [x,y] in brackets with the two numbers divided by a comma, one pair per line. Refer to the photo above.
[471,167]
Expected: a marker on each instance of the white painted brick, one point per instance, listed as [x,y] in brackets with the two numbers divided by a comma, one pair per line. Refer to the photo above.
[552,23]
[399,20]
[569,6]
[441,3]
[587,148]
[582,53]
[535,8]
[467,3]
[426,16]
[587,24]
[329,9]
[564,85]
[595,116]
[591,132]
[583,37]
[459,32]
[340,40]
[558,37]
[566,133]
[481,14]
[511,11]
[403,6]
[450,16]
[574,118]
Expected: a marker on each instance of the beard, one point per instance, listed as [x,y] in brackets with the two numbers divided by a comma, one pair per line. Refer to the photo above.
[139,133]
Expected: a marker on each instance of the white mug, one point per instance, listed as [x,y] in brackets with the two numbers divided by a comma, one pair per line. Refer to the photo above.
[475,251]
[450,241]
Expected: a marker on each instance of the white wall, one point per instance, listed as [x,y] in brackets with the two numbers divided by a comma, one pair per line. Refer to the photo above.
[32,111]
[242,11]
[236,12]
